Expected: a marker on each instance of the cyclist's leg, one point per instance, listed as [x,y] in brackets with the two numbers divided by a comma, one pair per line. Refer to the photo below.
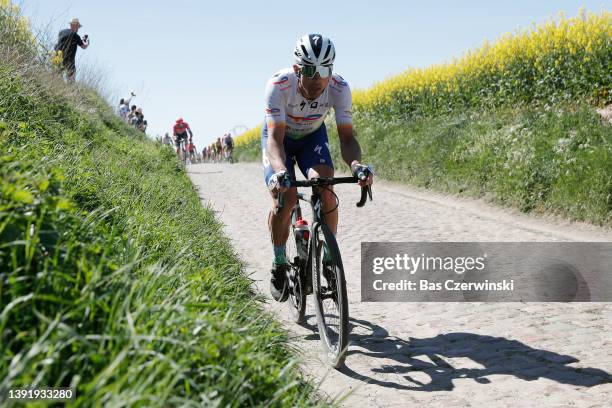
[314,160]
[278,223]
[177,143]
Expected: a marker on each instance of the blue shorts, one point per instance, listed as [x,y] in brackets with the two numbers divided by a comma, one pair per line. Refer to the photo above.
[307,152]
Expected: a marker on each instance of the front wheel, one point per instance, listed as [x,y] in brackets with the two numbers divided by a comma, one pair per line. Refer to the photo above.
[329,288]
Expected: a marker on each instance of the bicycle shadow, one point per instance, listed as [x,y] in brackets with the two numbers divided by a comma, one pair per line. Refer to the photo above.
[494,355]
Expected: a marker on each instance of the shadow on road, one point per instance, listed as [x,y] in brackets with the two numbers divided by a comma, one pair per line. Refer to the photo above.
[491,355]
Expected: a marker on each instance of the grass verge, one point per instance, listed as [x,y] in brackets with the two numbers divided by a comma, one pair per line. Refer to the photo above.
[113,277]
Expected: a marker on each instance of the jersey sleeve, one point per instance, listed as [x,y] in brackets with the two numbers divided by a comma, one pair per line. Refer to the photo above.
[342,100]
[275,100]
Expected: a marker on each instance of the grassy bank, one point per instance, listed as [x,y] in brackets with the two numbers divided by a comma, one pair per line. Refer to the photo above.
[555,161]
[113,278]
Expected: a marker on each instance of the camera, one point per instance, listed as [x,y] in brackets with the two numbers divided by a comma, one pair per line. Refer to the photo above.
[86,37]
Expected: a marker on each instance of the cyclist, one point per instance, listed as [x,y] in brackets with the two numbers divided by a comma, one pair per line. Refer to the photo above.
[180,131]
[191,148]
[297,101]
[228,146]
[213,152]
[219,150]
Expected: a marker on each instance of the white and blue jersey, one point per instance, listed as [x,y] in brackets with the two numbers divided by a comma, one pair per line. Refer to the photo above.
[284,104]
[305,143]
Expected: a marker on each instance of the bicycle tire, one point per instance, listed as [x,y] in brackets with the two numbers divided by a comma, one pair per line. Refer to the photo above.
[335,343]
[295,276]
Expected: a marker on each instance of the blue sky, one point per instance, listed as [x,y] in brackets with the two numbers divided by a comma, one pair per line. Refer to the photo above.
[208,61]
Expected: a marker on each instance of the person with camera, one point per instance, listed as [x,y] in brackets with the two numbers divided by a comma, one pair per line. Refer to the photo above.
[67,42]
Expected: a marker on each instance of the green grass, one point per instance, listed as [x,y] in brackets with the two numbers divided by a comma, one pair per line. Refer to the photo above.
[113,277]
[555,160]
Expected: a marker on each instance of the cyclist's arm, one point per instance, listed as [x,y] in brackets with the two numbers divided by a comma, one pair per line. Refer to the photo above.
[190,133]
[275,123]
[351,151]
[349,146]
[274,149]
[343,107]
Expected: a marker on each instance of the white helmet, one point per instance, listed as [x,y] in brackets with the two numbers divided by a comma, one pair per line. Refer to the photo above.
[314,49]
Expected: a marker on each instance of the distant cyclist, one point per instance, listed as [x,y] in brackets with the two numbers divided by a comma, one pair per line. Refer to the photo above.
[167,140]
[296,103]
[180,131]
[228,146]
[219,150]
[191,149]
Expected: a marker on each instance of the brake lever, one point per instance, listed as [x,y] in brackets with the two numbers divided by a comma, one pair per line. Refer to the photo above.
[364,196]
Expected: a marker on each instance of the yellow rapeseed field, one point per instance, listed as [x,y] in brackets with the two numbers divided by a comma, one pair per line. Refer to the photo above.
[557,60]
[248,136]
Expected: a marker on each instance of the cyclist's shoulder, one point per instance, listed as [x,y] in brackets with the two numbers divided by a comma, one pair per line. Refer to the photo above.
[338,83]
[282,78]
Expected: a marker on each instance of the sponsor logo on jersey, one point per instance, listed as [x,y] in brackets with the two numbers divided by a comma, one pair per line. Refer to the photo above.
[282,80]
[340,83]
[309,118]
[272,110]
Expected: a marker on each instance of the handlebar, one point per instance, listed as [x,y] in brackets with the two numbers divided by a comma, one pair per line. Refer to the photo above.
[325,181]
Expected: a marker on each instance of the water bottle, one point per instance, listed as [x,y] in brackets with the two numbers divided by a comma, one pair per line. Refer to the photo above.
[302,234]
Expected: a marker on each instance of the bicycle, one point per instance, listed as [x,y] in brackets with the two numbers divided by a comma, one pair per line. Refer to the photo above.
[306,255]
[183,152]
[228,155]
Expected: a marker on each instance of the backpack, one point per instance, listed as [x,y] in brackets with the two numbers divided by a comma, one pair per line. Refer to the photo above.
[62,39]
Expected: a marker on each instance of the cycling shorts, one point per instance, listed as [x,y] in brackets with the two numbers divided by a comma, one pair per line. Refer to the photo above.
[180,137]
[308,151]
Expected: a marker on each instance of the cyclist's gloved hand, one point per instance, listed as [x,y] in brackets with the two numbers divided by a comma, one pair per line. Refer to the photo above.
[279,181]
[363,172]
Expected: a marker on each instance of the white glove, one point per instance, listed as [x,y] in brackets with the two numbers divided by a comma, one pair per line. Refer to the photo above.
[276,179]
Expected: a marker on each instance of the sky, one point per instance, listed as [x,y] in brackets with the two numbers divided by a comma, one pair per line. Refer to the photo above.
[208,61]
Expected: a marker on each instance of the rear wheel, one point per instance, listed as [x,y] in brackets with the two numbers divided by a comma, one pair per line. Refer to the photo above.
[295,276]
[329,288]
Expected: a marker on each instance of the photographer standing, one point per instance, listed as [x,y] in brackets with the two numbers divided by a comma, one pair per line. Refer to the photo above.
[67,42]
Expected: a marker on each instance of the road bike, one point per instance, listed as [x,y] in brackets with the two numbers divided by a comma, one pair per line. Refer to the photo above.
[316,266]
[183,152]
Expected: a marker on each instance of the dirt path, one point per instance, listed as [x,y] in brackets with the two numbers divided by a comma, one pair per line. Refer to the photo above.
[434,354]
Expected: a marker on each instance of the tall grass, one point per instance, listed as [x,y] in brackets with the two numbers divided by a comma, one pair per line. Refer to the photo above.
[113,278]
[547,161]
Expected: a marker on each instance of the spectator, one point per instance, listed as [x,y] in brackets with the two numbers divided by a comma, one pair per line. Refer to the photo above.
[131,115]
[124,106]
[144,125]
[67,42]
[167,140]
[137,119]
